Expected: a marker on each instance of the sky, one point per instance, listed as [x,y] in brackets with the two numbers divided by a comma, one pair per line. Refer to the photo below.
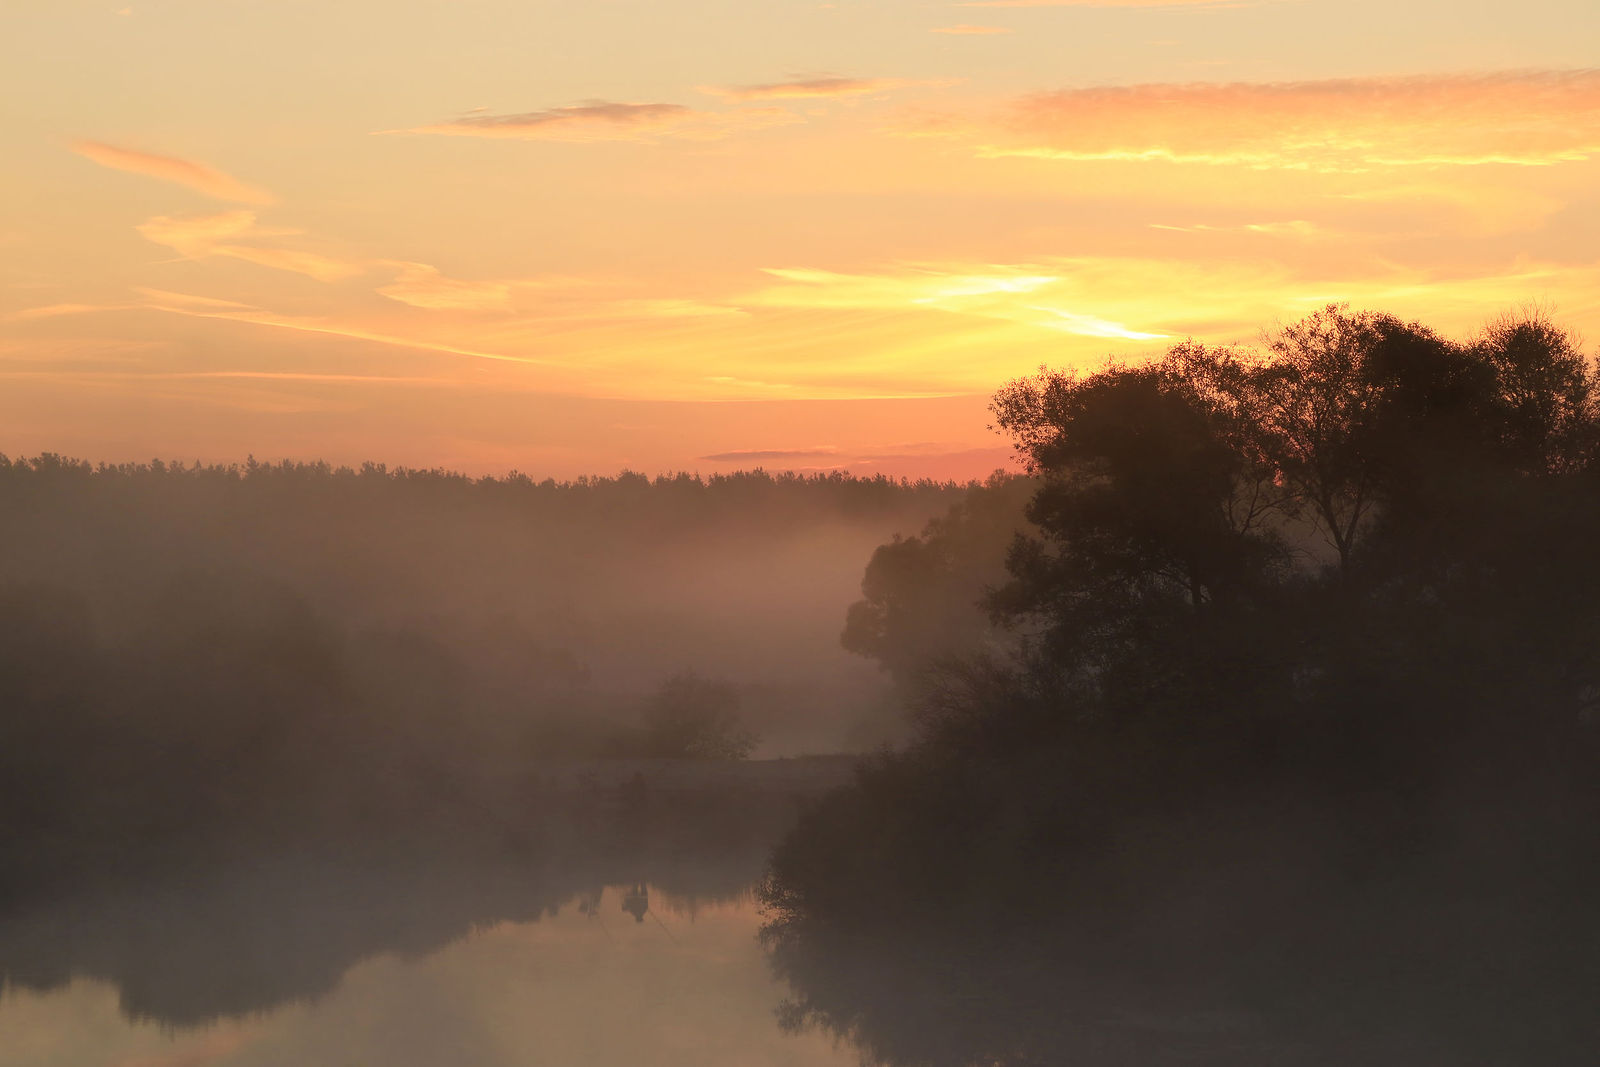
[572,238]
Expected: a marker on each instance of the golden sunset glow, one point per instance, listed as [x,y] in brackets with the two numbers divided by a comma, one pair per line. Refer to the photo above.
[494,235]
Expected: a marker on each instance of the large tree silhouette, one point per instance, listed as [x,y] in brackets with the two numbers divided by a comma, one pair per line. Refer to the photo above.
[1305,716]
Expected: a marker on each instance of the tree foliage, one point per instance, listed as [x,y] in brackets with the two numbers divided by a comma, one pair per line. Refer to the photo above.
[920,594]
[1305,714]
[1218,477]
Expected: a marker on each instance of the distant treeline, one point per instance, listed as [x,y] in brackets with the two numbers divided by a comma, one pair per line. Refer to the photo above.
[1293,753]
[239,657]
[757,494]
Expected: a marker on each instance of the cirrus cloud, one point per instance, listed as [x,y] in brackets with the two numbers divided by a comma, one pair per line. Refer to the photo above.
[758,455]
[1016,293]
[203,236]
[1529,118]
[185,172]
[817,88]
[424,286]
[604,120]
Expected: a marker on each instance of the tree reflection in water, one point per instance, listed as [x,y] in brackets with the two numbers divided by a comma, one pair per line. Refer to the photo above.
[909,921]
[201,937]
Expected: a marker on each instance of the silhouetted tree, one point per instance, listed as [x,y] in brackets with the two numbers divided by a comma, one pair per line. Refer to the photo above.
[1306,716]
[1139,506]
[920,594]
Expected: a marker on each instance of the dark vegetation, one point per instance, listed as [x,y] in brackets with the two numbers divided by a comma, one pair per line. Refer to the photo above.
[200,664]
[1293,756]
[917,612]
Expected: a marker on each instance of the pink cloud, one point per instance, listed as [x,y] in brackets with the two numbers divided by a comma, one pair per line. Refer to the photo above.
[815,88]
[1524,118]
[185,172]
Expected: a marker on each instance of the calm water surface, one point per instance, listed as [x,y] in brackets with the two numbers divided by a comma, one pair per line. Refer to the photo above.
[679,981]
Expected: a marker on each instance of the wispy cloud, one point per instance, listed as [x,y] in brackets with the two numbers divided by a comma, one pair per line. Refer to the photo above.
[552,300]
[1022,294]
[55,311]
[1091,325]
[601,120]
[190,300]
[817,88]
[1526,118]
[1300,228]
[423,286]
[595,114]
[966,30]
[185,172]
[757,455]
[312,265]
[203,236]
[303,324]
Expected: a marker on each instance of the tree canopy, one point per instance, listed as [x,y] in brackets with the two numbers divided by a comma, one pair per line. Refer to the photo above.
[1305,712]
[1356,457]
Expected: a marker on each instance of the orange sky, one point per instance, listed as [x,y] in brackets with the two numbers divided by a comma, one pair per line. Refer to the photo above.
[561,238]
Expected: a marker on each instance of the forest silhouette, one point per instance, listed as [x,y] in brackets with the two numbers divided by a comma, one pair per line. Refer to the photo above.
[1287,750]
[203,664]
